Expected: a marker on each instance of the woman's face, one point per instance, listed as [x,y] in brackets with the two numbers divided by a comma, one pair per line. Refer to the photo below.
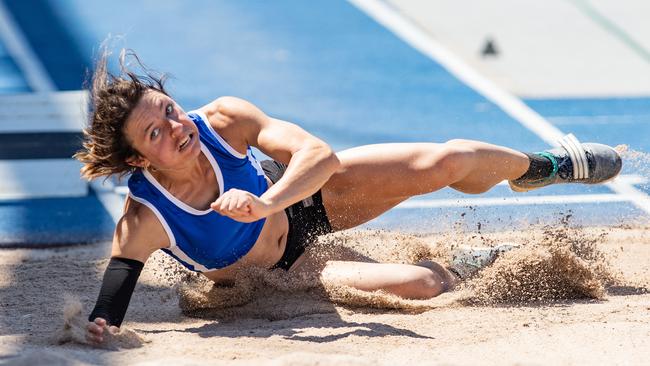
[162,133]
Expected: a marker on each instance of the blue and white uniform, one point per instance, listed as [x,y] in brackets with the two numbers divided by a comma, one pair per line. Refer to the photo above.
[205,240]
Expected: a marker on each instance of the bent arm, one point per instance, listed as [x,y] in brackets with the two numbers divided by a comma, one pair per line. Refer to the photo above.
[311,162]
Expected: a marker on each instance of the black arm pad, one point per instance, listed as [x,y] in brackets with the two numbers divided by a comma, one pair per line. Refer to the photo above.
[119,281]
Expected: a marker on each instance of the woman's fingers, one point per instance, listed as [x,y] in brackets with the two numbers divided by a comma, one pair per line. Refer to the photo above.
[226,206]
[97,327]
[240,206]
[95,331]
[234,203]
[244,204]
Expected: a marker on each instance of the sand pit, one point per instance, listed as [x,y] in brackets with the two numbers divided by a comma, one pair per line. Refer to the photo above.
[569,296]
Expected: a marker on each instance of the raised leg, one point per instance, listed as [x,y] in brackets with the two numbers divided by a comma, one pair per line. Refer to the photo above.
[374,178]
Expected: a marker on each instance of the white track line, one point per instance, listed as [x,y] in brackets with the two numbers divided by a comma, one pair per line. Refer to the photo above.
[530,200]
[627,180]
[513,106]
[518,201]
[630,179]
[19,49]
[112,201]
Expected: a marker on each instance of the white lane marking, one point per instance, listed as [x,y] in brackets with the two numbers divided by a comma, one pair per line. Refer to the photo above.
[518,201]
[513,106]
[625,180]
[630,119]
[632,179]
[123,190]
[54,178]
[19,49]
[629,179]
[64,111]
[112,202]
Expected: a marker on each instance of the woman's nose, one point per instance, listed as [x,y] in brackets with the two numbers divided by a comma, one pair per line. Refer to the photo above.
[176,127]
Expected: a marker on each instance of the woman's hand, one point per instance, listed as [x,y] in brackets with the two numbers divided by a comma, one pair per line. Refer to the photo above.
[242,206]
[95,330]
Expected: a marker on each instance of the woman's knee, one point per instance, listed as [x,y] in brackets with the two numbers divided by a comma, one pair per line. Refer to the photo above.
[423,283]
[456,159]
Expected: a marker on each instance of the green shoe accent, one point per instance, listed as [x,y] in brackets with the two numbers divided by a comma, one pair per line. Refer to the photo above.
[527,185]
[553,160]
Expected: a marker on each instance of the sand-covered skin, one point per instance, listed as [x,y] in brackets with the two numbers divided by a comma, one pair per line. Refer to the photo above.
[278,320]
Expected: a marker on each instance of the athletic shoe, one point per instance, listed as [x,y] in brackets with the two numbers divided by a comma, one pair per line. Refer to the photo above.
[467,261]
[574,162]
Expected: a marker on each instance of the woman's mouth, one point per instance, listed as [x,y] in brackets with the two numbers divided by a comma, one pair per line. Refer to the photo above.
[186,142]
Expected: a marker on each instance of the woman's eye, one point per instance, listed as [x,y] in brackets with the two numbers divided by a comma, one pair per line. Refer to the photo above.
[155,132]
[169,109]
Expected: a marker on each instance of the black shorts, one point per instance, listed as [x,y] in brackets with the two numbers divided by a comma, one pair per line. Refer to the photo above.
[307,219]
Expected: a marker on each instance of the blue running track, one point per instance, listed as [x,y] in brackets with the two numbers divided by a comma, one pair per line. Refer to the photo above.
[330,68]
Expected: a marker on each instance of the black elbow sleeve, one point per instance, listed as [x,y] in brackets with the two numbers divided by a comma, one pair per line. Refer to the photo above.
[118,284]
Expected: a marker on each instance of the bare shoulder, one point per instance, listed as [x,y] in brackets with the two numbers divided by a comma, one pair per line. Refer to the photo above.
[138,233]
[229,109]
[238,121]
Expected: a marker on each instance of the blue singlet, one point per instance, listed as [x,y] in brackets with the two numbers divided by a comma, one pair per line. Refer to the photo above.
[205,240]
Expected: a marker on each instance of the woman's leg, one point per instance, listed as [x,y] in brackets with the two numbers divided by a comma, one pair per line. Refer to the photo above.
[405,280]
[374,178]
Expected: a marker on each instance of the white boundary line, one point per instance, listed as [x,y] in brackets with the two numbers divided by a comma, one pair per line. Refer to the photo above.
[513,106]
[19,49]
[112,201]
[530,200]
[629,179]
[518,201]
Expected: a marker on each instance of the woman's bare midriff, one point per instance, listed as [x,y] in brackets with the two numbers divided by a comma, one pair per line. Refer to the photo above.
[266,252]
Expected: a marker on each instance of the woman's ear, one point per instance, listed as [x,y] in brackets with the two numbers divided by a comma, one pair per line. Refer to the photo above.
[138,161]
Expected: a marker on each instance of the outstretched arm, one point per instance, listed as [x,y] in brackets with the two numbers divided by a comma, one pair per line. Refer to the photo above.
[310,161]
[128,256]
[118,284]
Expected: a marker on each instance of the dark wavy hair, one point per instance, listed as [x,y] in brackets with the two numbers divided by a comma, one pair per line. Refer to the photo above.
[112,99]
